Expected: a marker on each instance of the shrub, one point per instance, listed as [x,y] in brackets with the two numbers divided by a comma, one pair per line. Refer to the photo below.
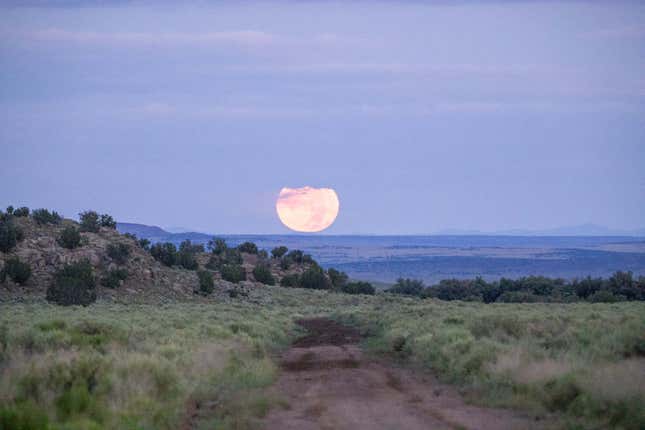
[23,416]
[295,256]
[248,247]
[285,263]
[20,212]
[43,216]
[314,278]
[16,270]
[263,254]
[118,252]
[233,273]
[74,284]
[308,259]
[338,279]
[407,287]
[10,210]
[186,255]
[113,278]
[70,237]
[233,256]
[206,283]
[603,296]
[279,251]
[89,221]
[10,235]
[262,273]
[217,245]
[166,253]
[358,287]
[213,263]
[518,297]
[106,220]
[144,244]
[292,280]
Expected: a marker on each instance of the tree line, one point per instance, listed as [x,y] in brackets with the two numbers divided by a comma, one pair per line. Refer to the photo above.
[621,286]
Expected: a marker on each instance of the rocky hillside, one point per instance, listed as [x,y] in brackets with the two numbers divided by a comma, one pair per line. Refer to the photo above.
[145,278]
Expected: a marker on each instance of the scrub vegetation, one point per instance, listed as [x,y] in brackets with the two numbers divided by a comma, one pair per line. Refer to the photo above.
[585,363]
[130,366]
[621,286]
[206,359]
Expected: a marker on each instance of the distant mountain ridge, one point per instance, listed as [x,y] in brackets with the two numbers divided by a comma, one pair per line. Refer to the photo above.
[157,234]
[587,229]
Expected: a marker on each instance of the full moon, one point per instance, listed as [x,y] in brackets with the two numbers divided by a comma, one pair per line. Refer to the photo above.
[307,209]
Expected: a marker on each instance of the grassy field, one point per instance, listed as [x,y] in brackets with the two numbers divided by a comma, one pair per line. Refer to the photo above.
[119,366]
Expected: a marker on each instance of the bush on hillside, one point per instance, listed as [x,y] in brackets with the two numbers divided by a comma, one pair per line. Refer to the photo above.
[262,273]
[113,278]
[295,256]
[233,273]
[118,252]
[285,263]
[21,212]
[213,263]
[106,220]
[74,284]
[70,237]
[291,280]
[358,287]
[206,283]
[186,254]
[279,251]
[10,210]
[10,235]
[233,256]
[166,253]
[43,216]
[144,244]
[217,246]
[308,259]
[16,270]
[338,279]
[89,221]
[407,287]
[314,278]
[248,247]
[263,255]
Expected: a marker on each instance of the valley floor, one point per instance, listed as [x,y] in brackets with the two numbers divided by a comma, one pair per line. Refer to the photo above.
[244,363]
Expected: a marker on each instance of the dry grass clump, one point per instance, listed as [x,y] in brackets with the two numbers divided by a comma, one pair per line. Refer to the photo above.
[115,366]
[583,361]
[134,366]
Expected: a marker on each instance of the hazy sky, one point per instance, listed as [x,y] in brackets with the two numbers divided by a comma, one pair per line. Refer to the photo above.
[423,116]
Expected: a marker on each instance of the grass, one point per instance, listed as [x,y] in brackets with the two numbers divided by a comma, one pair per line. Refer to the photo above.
[134,366]
[583,362]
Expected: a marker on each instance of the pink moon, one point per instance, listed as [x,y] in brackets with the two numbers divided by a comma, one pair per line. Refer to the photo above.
[307,209]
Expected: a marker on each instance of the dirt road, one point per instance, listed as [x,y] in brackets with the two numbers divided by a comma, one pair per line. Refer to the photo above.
[328,383]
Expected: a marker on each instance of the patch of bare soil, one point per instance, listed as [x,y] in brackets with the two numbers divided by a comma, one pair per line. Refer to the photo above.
[327,383]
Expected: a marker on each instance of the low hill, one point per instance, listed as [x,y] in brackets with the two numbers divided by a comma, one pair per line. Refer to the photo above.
[146,279]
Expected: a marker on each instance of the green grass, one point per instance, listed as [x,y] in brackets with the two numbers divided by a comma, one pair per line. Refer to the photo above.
[118,366]
[583,362]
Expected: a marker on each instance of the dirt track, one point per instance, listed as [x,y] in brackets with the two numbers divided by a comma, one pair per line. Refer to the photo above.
[329,384]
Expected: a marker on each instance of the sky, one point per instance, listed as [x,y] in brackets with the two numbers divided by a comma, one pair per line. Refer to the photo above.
[423,116]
